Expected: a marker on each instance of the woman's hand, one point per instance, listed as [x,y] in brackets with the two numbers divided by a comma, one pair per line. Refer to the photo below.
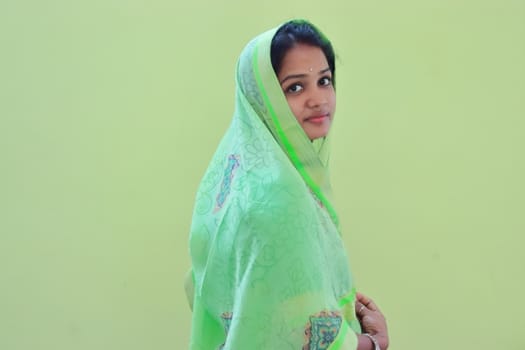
[372,320]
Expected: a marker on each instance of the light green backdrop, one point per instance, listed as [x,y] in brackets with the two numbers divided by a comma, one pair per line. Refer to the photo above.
[110,111]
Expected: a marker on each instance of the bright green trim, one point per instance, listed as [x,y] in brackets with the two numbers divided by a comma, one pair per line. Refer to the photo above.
[348,298]
[340,339]
[287,145]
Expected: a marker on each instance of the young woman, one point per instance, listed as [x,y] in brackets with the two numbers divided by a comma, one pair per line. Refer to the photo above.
[269,269]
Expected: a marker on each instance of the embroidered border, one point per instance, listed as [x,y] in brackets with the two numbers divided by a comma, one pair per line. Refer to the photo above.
[229,172]
[322,329]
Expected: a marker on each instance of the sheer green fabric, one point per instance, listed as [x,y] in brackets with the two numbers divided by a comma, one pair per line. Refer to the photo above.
[269,268]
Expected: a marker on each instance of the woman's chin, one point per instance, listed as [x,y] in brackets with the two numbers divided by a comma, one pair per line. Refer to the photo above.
[317,132]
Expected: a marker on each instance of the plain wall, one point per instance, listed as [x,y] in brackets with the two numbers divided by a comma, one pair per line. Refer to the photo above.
[110,111]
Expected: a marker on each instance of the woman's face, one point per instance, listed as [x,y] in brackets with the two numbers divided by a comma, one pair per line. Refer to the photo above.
[306,80]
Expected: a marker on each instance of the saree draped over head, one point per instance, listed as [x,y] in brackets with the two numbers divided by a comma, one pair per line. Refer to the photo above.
[269,269]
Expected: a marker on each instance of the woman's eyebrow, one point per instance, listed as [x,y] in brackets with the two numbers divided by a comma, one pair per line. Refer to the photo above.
[294,76]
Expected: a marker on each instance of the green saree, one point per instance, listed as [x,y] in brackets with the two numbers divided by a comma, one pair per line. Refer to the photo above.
[269,269]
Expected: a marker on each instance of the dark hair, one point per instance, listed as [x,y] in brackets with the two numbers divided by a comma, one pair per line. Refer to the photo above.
[303,32]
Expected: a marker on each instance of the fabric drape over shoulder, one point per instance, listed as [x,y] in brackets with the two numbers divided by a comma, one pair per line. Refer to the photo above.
[269,268]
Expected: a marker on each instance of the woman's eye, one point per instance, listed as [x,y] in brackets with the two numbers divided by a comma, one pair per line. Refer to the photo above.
[325,81]
[294,88]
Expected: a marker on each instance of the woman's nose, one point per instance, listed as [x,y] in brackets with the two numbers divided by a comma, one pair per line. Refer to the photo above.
[316,99]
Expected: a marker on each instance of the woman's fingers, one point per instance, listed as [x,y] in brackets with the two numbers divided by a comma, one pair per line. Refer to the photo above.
[372,306]
[363,298]
[369,303]
[360,308]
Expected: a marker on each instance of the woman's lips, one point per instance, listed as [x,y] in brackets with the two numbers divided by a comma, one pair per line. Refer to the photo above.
[317,119]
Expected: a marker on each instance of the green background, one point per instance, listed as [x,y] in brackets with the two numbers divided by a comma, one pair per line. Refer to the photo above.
[110,111]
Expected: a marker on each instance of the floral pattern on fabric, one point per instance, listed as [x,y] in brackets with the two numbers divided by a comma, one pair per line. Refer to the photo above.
[322,329]
[229,172]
